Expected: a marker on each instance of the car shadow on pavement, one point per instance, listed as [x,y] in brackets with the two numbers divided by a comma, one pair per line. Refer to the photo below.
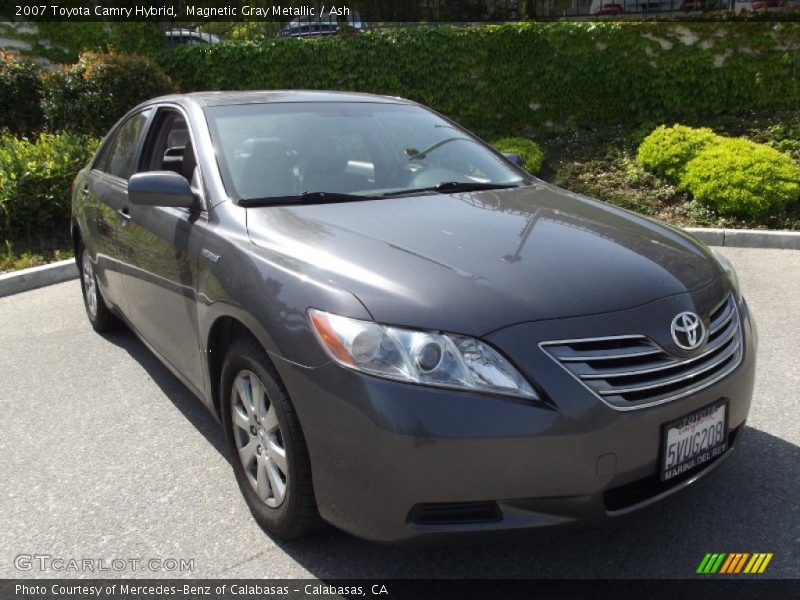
[185,401]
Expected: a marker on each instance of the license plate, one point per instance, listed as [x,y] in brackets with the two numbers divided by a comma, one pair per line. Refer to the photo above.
[694,440]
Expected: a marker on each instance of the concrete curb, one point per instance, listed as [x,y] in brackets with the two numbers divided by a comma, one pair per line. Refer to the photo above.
[36,277]
[747,238]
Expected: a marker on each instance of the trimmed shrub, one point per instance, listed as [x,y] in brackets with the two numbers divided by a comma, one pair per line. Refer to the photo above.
[737,177]
[35,179]
[532,155]
[20,95]
[91,95]
[667,150]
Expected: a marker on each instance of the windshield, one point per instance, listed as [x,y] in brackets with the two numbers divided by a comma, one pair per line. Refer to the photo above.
[284,150]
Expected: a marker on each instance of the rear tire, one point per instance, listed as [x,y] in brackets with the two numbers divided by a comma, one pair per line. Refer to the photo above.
[268,450]
[100,316]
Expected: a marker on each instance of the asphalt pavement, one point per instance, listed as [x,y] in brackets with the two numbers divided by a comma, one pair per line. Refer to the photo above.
[105,455]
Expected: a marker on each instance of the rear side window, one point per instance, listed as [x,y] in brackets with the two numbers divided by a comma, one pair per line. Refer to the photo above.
[122,158]
[101,158]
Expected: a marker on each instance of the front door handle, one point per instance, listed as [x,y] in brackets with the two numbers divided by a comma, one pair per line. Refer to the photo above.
[85,191]
[125,214]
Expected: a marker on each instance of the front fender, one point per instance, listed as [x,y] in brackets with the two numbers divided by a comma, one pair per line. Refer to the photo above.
[269,296]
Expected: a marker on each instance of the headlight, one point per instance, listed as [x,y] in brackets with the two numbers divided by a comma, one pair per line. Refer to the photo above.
[429,358]
[730,272]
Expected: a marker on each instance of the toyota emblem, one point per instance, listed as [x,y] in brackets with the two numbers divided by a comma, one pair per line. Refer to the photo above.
[688,331]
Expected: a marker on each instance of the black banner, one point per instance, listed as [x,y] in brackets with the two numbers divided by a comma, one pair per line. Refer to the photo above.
[258,589]
[391,11]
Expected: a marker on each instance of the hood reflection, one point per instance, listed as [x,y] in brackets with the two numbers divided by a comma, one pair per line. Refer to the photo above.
[502,256]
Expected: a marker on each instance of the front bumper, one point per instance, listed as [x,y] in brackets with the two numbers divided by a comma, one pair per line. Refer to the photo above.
[383,453]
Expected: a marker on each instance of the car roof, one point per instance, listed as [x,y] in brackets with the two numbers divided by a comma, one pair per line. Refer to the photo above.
[262,97]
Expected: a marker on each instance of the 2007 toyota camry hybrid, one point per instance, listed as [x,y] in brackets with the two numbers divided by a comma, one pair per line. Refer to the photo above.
[401,331]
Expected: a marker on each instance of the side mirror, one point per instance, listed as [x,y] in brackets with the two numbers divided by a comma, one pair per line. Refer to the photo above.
[160,188]
[515,158]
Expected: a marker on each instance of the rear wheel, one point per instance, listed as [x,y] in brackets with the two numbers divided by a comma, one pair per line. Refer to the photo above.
[101,318]
[268,451]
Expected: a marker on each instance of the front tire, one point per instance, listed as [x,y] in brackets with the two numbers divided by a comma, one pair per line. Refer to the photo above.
[100,316]
[268,451]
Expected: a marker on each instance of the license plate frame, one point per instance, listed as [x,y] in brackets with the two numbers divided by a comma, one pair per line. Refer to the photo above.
[703,456]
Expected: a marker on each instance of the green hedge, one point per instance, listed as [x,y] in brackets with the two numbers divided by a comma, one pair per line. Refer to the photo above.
[533,77]
[498,80]
[62,42]
[35,180]
[20,95]
[91,95]
[734,176]
[66,43]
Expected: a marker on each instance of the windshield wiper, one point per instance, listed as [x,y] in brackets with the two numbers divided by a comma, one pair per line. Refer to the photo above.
[304,198]
[471,186]
[453,186]
[330,197]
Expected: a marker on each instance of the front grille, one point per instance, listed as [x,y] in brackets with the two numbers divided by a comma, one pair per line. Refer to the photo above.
[632,371]
[455,513]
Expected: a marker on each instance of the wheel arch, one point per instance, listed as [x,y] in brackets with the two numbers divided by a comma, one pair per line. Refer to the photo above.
[223,331]
[77,238]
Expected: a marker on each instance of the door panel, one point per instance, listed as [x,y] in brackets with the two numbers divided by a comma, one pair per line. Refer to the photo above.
[160,278]
[163,245]
[106,196]
[106,192]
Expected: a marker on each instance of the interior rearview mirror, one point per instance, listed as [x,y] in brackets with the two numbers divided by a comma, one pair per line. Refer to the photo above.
[515,158]
[160,188]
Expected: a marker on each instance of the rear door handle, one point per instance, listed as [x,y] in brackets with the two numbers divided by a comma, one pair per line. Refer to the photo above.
[85,191]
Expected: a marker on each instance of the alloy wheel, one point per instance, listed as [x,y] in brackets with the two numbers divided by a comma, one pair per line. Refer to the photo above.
[89,284]
[259,440]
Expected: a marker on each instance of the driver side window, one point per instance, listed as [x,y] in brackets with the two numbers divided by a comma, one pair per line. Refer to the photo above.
[169,147]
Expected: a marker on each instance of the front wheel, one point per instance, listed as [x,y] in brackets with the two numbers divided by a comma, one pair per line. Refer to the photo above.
[267,447]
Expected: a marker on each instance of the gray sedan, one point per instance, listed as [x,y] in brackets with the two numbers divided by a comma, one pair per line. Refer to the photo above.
[401,331]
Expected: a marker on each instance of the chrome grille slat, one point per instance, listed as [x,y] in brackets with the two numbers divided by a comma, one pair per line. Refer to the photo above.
[584,358]
[683,377]
[671,364]
[731,330]
[583,350]
[720,323]
[725,302]
[633,371]
[598,370]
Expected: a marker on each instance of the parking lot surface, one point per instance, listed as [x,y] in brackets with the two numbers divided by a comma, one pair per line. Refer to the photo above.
[106,455]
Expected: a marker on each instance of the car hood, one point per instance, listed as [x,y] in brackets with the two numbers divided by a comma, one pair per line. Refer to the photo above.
[475,262]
